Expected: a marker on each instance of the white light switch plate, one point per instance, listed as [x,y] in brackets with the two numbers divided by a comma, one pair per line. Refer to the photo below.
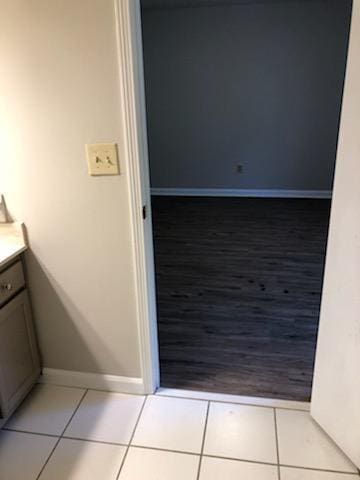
[102,159]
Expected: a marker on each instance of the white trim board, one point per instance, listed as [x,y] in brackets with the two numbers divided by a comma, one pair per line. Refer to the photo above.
[228,398]
[94,381]
[130,62]
[238,192]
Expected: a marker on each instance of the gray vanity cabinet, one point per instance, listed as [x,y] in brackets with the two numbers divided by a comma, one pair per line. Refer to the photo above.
[19,359]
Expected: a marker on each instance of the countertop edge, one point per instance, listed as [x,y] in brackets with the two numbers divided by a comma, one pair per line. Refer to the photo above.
[12,241]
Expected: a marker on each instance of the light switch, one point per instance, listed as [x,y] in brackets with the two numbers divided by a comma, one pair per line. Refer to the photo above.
[102,159]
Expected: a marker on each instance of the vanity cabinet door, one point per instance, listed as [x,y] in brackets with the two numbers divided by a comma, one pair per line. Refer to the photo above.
[19,360]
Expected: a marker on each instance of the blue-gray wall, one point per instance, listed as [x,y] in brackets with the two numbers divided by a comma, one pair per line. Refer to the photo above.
[257,84]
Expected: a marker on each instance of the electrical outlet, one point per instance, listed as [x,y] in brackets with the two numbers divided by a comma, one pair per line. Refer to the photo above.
[102,159]
[239,168]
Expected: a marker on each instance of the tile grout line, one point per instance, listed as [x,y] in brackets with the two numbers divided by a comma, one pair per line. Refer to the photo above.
[277,445]
[76,409]
[182,452]
[168,450]
[258,462]
[232,402]
[132,436]
[156,394]
[50,435]
[203,440]
[312,469]
[62,433]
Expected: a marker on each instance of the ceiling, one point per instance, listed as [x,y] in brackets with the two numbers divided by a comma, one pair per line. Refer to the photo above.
[201,3]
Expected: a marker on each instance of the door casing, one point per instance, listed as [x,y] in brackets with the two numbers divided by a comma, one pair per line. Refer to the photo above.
[128,15]
[130,59]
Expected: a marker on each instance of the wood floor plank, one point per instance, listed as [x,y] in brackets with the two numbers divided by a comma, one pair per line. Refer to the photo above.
[238,291]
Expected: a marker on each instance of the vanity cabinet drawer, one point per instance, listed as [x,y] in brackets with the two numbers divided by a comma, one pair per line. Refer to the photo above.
[11,281]
[19,359]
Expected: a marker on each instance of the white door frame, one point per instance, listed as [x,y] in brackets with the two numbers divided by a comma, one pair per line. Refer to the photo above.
[128,16]
[129,37]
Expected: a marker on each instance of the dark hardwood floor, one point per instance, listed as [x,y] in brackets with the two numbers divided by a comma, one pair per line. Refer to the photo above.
[238,290]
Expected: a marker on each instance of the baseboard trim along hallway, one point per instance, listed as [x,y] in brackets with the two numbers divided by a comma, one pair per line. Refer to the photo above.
[95,381]
[238,192]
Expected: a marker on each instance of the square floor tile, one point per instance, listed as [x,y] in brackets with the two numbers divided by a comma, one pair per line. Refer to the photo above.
[241,432]
[301,474]
[172,424]
[79,460]
[23,455]
[47,410]
[303,443]
[106,417]
[220,469]
[142,463]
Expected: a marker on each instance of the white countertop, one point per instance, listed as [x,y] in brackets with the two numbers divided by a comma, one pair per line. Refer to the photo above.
[12,241]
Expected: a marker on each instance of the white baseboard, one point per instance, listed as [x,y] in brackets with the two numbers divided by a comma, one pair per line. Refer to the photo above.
[238,192]
[95,381]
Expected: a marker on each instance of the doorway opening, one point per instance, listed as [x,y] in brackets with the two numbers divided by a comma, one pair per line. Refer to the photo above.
[243,104]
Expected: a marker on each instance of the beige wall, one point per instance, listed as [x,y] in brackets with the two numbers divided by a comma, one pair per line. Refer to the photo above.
[337,377]
[59,89]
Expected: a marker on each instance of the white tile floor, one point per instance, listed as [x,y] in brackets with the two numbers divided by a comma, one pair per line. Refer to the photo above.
[62,433]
